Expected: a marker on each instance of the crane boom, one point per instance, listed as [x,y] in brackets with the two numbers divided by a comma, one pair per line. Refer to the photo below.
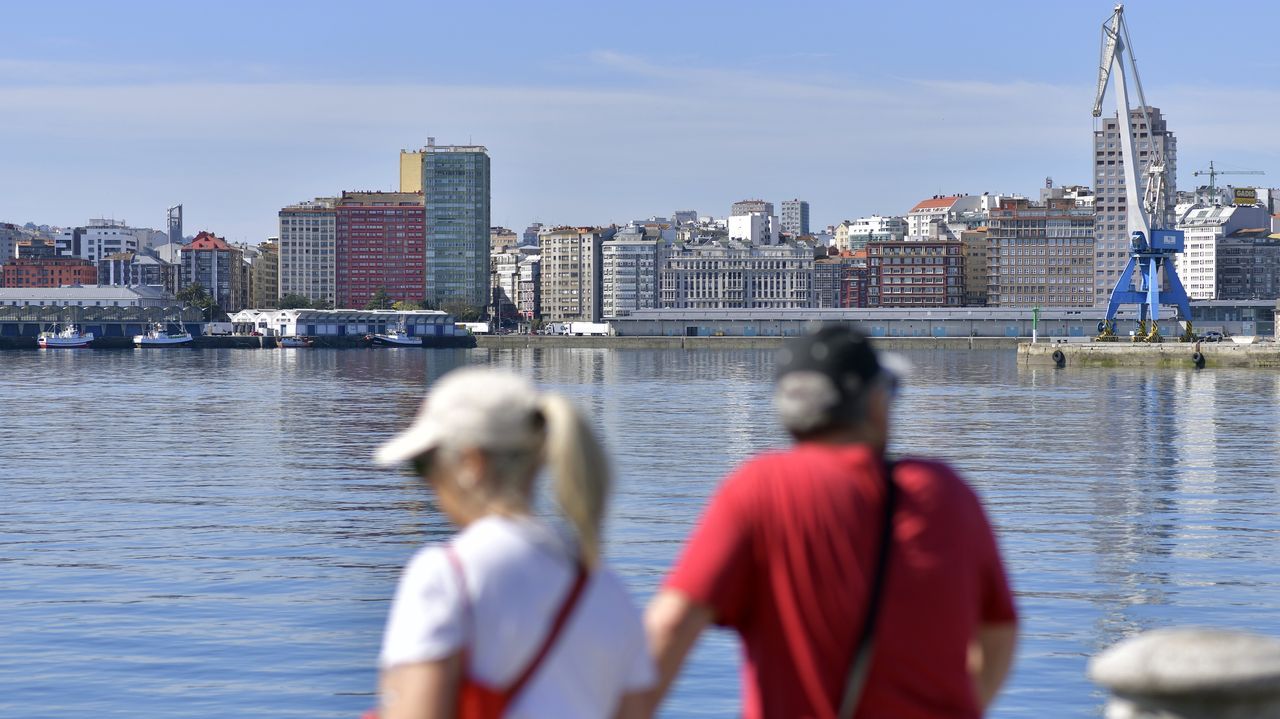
[1110,39]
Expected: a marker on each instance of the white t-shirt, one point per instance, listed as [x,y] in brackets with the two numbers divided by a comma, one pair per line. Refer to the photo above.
[518,574]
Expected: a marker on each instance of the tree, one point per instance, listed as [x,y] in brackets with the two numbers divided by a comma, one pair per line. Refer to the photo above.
[462,311]
[195,295]
[404,306]
[380,301]
[294,302]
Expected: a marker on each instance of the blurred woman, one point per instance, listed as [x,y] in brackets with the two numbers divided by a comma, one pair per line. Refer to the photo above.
[510,618]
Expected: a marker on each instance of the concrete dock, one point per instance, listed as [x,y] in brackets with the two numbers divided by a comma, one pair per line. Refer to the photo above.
[243,342]
[679,342]
[1204,355]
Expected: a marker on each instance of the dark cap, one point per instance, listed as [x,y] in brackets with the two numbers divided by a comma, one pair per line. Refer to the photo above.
[822,375]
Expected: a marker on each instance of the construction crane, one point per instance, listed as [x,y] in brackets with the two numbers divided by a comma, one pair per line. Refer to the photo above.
[1152,246]
[1213,175]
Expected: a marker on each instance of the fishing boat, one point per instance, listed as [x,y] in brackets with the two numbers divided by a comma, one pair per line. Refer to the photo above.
[397,336]
[158,335]
[286,342]
[69,337]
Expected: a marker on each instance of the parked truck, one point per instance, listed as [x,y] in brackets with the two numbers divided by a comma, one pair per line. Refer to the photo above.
[592,329]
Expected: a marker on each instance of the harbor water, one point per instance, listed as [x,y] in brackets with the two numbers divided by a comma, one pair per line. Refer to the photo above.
[196,533]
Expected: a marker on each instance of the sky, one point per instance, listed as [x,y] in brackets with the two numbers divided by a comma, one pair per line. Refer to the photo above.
[596,112]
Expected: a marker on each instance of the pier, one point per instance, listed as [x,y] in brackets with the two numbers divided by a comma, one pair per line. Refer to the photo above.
[1198,355]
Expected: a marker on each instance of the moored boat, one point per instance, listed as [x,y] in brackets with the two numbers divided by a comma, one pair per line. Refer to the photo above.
[396,337]
[287,342]
[69,337]
[158,335]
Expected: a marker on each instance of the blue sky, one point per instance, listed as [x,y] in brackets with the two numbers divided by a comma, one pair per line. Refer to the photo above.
[596,113]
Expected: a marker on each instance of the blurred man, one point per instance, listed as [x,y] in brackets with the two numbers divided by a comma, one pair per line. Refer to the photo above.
[788,554]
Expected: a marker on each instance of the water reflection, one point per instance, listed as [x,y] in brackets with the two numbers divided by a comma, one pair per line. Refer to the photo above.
[197,533]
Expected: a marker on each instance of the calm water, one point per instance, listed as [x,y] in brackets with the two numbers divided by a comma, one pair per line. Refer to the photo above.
[196,534]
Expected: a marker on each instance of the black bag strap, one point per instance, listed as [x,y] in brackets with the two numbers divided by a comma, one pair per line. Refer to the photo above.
[857,676]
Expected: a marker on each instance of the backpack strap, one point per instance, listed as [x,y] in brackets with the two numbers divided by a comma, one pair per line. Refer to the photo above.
[468,615]
[562,618]
[856,679]
[548,642]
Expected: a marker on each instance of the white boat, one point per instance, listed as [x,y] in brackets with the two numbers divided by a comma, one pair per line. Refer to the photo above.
[285,342]
[1244,339]
[158,335]
[69,337]
[396,337]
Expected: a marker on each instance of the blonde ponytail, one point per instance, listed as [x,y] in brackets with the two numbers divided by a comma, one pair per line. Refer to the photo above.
[581,471]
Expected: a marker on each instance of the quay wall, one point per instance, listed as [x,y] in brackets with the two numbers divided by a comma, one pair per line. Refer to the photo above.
[1164,354]
[724,342]
[242,342]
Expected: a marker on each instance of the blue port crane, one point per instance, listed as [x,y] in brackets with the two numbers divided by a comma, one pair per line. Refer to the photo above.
[1152,246]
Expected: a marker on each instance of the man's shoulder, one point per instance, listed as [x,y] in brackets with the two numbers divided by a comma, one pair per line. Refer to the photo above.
[930,478]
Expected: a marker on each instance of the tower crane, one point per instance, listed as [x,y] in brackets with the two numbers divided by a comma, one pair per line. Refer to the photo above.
[1152,246]
[1213,175]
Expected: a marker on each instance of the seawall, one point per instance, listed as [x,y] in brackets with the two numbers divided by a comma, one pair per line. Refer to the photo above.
[1165,354]
[695,343]
[243,342]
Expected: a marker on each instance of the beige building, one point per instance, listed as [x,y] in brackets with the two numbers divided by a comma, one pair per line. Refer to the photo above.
[736,275]
[307,242]
[840,238]
[975,266]
[1040,254]
[501,239]
[265,280]
[570,273]
[411,171]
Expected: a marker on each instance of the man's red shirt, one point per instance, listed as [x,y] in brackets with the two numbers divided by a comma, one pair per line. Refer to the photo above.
[785,554]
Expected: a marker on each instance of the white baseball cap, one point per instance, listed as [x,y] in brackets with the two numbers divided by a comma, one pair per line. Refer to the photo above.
[481,408]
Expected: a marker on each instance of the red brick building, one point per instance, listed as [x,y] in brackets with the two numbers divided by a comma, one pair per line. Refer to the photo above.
[28,272]
[915,273]
[379,244]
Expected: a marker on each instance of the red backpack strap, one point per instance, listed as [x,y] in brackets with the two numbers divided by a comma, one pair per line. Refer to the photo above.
[468,618]
[562,618]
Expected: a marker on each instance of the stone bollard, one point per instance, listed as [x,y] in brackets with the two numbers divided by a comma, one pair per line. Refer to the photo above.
[1187,673]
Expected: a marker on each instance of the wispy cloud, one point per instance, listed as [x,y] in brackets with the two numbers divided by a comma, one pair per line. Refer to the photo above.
[654,136]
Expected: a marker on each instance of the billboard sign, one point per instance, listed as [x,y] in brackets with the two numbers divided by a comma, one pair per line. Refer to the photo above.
[1245,196]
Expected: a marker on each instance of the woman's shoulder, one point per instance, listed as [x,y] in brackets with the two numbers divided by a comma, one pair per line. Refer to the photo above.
[429,566]
[613,592]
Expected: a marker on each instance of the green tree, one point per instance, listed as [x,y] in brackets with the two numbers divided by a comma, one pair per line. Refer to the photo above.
[462,311]
[380,301]
[294,302]
[195,295]
[403,306]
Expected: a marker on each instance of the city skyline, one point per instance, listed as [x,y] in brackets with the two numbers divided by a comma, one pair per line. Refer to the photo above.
[598,130]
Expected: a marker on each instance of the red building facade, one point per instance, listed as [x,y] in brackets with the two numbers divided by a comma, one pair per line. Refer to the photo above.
[379,244]
[29,272]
